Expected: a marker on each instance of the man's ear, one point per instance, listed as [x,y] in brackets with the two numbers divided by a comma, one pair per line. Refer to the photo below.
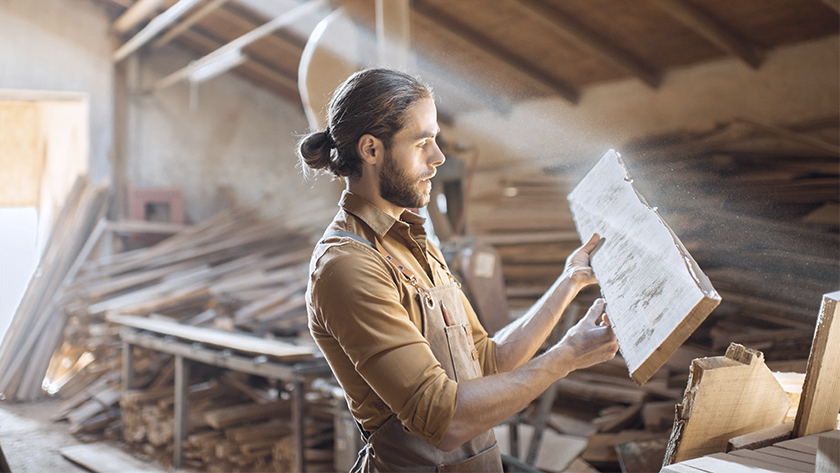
[370,149]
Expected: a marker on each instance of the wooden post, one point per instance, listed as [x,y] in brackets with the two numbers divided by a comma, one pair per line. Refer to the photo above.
[820,399]
[181,427]
[298,407]
[127,365]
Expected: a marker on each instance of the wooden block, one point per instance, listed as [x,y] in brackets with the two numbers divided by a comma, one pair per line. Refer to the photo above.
[820,399]
[761,438]
[722,401]
[229,416]
[656,293]
[643,456]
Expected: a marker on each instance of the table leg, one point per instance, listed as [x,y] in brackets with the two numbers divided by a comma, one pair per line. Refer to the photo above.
[182,375]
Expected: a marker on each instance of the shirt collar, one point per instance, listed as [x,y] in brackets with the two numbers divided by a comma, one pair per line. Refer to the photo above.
[379,221]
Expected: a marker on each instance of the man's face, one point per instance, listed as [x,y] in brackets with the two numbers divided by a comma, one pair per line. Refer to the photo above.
[410,162]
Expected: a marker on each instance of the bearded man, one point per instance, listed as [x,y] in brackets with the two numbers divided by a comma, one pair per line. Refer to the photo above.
[421,376]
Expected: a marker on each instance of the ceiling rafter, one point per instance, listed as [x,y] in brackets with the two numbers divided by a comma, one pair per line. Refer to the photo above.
[274,39]
[137,13]
[252,68]
[158,24]
[711,29]
[569,28]
[188,22]
[489,46]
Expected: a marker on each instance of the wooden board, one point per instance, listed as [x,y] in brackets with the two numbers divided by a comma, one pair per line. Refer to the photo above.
[726,396]
[820,398]
[656,293]
[102,458]
[234,341]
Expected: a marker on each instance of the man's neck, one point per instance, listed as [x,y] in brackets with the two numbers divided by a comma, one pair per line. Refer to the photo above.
[370,192]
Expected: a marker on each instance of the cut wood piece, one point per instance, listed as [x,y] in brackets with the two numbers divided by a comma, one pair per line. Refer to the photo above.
[235,341]
[820,399]
[761,438]
[656,293]
[556,451]
[641,457]
[726,396]
[102,458]
[230,416]
[828,453]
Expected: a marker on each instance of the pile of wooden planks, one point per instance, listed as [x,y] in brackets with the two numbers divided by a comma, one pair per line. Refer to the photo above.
[37,324]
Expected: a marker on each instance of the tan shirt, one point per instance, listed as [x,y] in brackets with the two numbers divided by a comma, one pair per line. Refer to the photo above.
[365,318]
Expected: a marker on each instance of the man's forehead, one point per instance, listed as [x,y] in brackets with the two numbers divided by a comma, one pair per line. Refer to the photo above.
[421,120]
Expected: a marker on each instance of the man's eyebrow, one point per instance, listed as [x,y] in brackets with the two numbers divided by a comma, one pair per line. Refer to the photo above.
[426,134]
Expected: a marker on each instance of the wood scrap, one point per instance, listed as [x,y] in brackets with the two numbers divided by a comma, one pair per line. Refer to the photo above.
[761,438]
[820,399]
[102,458]
[656,292]
[718,404]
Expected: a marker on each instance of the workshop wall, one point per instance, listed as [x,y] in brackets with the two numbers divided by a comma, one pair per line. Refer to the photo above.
[236,144]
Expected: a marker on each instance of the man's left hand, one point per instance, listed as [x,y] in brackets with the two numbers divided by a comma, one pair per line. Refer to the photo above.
[577,268]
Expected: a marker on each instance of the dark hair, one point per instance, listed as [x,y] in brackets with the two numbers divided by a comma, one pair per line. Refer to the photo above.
[372,101]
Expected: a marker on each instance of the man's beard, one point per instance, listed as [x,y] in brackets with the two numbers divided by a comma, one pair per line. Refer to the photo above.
[398,187]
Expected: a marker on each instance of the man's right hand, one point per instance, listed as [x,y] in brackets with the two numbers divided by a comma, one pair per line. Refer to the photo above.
[588,342]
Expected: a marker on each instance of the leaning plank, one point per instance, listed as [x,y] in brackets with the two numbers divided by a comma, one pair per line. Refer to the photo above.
[102,458]
[234,341]
[656,293]
[820,399]
[726,396]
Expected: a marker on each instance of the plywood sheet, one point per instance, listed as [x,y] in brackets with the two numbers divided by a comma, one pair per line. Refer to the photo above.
[656,293]
[102,458]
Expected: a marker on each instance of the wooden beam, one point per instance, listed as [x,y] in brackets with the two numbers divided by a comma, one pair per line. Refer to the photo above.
[656,293]
[820,399]
[239,43]
[726,396]
[282,82]
[234,341]
[153,28]
[188,22]
[487,45]
[136,13]
[566,26]
[711,29]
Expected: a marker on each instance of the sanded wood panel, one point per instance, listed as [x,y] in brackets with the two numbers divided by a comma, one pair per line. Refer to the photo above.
[656,293]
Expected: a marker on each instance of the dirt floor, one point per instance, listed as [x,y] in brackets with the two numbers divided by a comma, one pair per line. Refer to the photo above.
[30,440]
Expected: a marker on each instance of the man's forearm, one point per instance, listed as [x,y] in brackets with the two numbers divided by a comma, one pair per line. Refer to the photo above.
[517,342]
[483,403]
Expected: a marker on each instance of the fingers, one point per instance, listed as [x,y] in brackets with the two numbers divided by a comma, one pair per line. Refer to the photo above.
[593,242]
[606,321]
[595,311]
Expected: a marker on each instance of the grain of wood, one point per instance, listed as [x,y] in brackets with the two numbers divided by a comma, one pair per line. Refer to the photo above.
[656,293]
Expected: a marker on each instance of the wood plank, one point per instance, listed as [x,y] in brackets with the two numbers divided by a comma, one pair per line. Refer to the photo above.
[101,458]
[765,460]
[761,438]
[809,458]
[720,403]
[828,453]
[719,463]
[820,398]
[234,341]
[656,293]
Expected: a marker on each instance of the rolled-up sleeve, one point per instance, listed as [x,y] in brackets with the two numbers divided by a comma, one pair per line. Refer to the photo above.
[355,299]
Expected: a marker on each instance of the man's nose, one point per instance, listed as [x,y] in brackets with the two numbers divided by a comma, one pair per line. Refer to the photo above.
[437,157]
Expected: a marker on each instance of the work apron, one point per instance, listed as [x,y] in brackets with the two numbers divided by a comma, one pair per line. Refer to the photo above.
[391,447]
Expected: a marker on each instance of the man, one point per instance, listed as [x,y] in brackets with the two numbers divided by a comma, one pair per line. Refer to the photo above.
[422,378]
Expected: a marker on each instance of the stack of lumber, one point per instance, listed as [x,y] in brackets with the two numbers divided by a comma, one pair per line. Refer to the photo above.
[234,425]
[37,324]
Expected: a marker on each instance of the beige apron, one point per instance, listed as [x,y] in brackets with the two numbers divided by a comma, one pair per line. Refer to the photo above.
[447,329]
